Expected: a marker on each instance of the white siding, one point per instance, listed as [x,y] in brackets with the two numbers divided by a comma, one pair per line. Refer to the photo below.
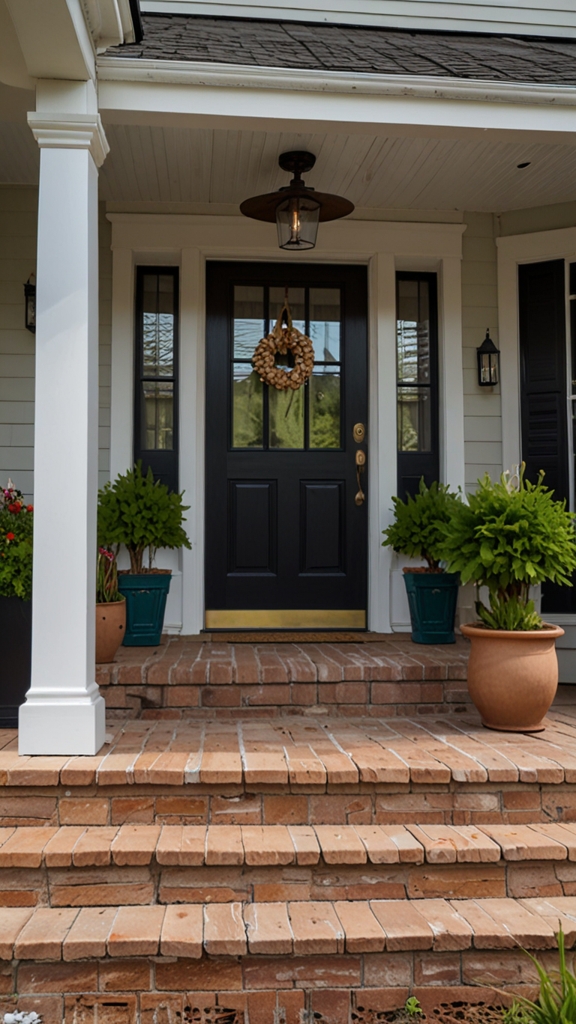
[525,17]
[18,215]
[482,420]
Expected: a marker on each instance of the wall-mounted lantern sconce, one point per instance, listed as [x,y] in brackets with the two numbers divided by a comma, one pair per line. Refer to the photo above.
[488,363]
[297,208]
[30,304]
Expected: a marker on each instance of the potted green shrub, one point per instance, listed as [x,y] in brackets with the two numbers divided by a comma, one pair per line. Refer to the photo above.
[16,526]
[510,536]
[417,532]
[110,607]
[143,515]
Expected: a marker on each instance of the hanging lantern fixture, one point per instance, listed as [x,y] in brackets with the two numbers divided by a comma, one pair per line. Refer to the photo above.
[30,304]
[297,208]
[488,363]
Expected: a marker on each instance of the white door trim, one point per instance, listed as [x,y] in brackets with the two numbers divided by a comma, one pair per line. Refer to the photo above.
[189,241]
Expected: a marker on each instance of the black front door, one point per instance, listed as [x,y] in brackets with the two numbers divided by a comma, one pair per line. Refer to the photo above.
[286,540]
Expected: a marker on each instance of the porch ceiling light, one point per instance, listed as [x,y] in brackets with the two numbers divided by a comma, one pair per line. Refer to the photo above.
[30,304]
[297,208]
[488,363]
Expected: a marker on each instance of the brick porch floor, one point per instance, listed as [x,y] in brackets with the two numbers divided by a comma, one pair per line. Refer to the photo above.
[391,676]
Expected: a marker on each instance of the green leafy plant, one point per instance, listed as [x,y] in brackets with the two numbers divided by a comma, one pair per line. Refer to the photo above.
[107,577]
[413,1008]
[509,536]
[16,527]
[141,513]
[556,1003]
[417,530]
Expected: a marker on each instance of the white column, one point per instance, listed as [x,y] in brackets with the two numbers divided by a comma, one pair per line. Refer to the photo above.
[64,712]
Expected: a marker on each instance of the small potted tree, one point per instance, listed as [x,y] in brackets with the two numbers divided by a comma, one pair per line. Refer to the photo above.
[511,535]
[143,515]
[16,525]
[110,607]
[417,532]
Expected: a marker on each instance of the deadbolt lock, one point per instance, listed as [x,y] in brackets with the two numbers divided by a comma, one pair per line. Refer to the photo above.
[359,432]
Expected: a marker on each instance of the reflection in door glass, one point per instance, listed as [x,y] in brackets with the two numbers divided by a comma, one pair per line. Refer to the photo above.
[264,417]
[413,363]
[286,418]
[297,303]
[247,407]
[325,324]
[158,412]
[158,325]
[325,407]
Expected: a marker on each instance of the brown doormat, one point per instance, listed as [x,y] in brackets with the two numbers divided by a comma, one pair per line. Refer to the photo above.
[291,636]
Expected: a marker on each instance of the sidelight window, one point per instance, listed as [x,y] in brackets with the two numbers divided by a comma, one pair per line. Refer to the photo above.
[417,380]
[264,417]
[156,386]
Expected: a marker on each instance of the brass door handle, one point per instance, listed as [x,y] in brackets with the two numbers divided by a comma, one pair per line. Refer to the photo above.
[360,497]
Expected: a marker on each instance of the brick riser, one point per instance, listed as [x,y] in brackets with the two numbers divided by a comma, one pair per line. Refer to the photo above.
[150,884]
[262,990]
[225,680]
[364,804]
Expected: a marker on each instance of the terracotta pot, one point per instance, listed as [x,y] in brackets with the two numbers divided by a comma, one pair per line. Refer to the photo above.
[513,676]
[110,629]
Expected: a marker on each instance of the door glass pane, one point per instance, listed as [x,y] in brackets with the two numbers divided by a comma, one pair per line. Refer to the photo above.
[414,420]
[325,324]
[297,302]
[286,412]
[324,391]
[158,325]
[247,407]
[158,414]
[413,332]
[248,319]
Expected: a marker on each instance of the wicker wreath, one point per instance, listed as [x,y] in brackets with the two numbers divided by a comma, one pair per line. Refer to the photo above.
[284,338]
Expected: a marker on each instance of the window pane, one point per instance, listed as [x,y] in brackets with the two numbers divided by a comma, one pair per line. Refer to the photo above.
[414,420]
[158,415]
[296,301]
[247,414]
[325,324]
[286,415]
[324,391]
[413,332]
[248,319]
[158,325]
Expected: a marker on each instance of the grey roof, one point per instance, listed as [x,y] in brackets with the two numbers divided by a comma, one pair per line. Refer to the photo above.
[288,44]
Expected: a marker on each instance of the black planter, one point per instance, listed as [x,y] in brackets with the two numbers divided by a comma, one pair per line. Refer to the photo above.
[16,657]
[432,598]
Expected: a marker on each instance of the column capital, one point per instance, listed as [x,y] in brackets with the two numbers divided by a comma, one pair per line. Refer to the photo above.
[70,131]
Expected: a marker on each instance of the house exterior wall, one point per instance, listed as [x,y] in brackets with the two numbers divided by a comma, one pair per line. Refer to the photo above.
[18,226]
[528,17]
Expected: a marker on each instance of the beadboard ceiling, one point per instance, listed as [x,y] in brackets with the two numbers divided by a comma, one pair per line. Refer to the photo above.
[179,165]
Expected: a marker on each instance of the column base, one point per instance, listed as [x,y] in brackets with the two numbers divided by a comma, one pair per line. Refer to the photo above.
[57,727]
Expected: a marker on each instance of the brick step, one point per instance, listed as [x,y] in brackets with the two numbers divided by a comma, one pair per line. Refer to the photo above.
[149,864]
[227,678]
[288,962]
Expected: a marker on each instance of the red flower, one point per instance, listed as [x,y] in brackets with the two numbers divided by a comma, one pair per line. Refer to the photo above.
[29,508]
[10,536]
[15,507]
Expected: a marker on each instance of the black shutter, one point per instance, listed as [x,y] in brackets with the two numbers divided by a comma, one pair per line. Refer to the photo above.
[542,307]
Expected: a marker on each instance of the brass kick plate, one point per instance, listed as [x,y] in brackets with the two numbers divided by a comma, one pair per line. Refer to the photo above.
[358,432]
[281,618]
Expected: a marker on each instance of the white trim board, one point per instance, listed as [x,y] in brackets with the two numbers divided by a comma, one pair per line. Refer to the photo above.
[385,247]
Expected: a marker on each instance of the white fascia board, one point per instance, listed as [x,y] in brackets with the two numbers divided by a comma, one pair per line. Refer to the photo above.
[54,38]
[180,93]
[529,18]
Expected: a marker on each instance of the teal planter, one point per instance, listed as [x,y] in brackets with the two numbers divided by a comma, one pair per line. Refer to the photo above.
[145,606]
[432,598]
